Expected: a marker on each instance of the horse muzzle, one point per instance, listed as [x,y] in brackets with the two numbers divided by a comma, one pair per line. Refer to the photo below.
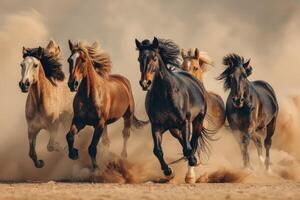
[145,84]
[24,86]
[73,86]
[238,102]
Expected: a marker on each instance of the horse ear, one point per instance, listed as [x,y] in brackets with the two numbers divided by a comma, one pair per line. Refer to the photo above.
[155,43]
[71,46]
[183,54]
[138,44]
[197,54]
[24,50]
[248,67]
[40,52]
[53,48]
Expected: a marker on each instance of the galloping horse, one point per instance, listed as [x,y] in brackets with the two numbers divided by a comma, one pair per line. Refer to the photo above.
[101,98]
[196,63]
[175,101]
[251,107]
[48,101]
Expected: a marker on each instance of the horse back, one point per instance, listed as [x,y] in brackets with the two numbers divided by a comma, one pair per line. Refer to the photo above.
[267,96]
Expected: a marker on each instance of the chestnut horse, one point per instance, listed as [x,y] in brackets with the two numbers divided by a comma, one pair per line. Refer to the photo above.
[196,63]
[101,98]
[49,101]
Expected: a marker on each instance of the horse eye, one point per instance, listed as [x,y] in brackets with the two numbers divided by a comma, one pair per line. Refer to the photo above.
[35,65]
[195,68]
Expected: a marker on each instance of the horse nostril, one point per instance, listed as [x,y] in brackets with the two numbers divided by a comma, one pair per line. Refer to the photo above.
[149,82]
[27,83]
[242,99]
[75,84]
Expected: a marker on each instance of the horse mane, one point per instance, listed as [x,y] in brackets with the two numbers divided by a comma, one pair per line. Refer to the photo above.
[100,59]
[232,61]
[50,63]
[168,50]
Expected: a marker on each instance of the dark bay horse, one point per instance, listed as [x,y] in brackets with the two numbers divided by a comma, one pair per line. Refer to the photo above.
[251,107]
[175,101]
[195,62]
[101,98]
[48,103]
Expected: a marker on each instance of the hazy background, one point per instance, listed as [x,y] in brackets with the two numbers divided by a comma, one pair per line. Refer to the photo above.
[266,31]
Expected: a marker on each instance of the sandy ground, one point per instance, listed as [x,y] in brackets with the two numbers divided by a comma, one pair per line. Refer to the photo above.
[64,191]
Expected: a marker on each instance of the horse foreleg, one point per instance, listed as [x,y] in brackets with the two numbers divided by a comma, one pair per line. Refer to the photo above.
[258,144]
[52,144]
[93,146]
[245,143]
[32,153]
[126,135]
[158,152]
[75,128]
[105,138]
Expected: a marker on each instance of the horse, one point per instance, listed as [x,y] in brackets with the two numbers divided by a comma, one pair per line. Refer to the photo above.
[101,98]
[251,107]
[175,101]
[48,101]
[196,63]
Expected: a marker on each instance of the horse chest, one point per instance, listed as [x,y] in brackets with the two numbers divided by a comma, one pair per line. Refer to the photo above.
[87,112]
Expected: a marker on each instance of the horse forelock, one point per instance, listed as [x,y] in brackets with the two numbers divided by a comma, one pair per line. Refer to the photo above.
[50,63]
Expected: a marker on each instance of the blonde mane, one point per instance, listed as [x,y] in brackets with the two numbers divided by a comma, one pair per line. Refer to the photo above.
[100,59]
[204,59]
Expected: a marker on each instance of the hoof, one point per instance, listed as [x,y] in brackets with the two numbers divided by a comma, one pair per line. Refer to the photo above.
[106,142]
[39,164]
[73,154]
[190,179]
[169,174]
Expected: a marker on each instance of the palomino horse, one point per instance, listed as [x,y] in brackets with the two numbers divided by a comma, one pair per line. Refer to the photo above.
[251,107]
[49,101]
[101,98]
[175,101]
[196,63]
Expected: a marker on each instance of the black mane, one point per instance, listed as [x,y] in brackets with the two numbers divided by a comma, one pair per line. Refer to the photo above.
[168,50]
[51,65]
[232,61]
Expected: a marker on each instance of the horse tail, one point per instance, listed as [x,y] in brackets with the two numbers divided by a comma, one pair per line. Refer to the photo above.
[204,146]
[138,124]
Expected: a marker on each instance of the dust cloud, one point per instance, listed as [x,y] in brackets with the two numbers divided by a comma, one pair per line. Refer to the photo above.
[267,32]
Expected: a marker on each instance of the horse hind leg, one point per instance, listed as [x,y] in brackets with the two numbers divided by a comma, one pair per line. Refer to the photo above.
[268,142]
[32,153]
[126,135]
[105,138]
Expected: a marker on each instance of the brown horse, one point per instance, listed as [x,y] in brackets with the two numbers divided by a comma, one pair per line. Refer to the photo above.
[48,102]
[101,98]
[196,63]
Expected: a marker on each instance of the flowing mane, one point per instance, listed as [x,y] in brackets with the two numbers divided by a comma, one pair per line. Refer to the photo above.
[168,50]
[232,61]
[50,63]
[100,59]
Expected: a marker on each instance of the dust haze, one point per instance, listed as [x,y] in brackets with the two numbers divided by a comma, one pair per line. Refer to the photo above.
[265,31]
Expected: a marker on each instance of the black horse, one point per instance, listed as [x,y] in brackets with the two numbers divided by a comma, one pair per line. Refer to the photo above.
[251,107]
[175,101]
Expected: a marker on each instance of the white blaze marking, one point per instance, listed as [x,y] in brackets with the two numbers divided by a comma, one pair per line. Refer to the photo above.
[74,58]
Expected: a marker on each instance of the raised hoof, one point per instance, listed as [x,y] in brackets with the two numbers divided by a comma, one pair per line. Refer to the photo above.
[190,179]
[73,154]
[169,174]
[39,164]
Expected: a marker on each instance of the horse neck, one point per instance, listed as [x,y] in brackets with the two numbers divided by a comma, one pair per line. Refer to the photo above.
[92,82]
[40,88]
[163,77]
